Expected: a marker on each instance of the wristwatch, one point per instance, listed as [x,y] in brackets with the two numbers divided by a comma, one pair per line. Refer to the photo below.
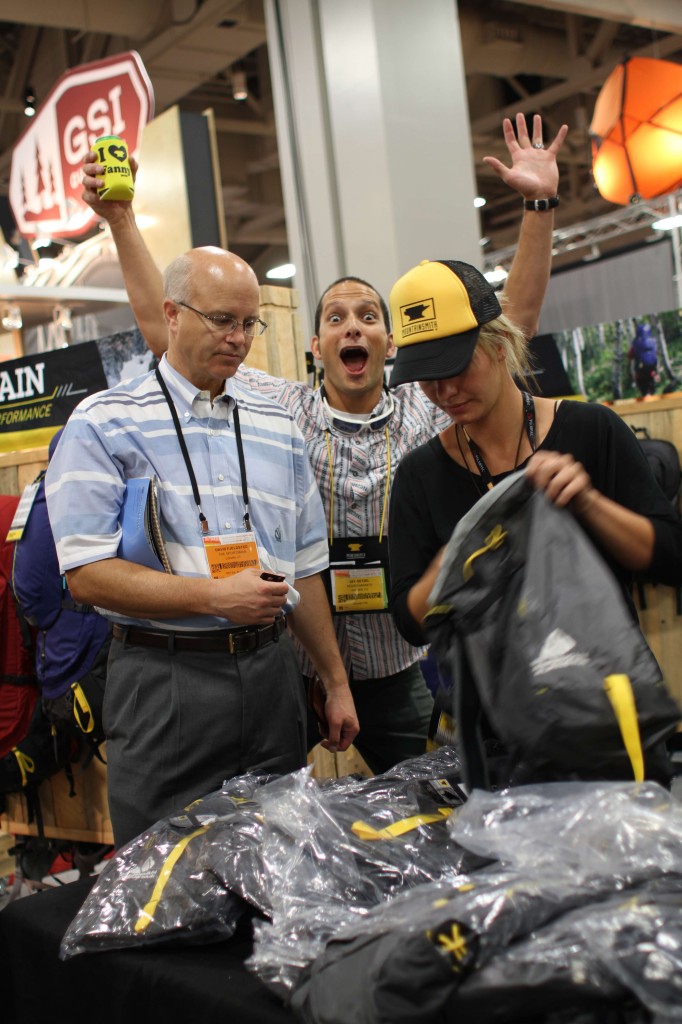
[541,204]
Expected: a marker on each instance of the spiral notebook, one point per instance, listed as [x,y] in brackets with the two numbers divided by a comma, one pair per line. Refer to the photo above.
[141,538]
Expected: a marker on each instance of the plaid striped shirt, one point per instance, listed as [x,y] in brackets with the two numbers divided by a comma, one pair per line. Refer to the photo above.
[128,432]
[370,644]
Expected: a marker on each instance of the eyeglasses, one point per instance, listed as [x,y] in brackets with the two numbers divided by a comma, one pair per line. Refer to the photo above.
[227,324]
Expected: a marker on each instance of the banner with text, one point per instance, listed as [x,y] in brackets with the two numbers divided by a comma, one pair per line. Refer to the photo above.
[38,393]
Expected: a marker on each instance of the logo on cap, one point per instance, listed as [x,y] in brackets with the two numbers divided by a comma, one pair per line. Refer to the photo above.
[417,317]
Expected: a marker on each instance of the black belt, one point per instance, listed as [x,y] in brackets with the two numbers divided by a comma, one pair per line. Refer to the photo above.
[230,641]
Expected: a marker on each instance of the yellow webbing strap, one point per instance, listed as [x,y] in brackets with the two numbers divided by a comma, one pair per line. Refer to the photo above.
[492,542]
[27,765]
[619,691]
[439,609]
[147,913]
[81,706]
[364,831]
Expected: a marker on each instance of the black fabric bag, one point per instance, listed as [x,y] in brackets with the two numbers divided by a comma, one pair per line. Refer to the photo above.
[664,461]
[551,677]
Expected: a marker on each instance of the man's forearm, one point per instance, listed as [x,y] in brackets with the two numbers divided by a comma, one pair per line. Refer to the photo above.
[135,590]
[142,279]
[141,593]
[312,625]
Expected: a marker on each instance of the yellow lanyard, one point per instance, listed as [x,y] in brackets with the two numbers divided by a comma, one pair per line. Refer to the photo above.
[331,485]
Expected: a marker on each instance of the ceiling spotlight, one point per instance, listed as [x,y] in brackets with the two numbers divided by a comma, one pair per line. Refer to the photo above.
[29,102]
[239,87]
[283,273]
[479,201]
[668,223]
[11,318]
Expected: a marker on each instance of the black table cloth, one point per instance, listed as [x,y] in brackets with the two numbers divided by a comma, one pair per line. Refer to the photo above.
[207,983]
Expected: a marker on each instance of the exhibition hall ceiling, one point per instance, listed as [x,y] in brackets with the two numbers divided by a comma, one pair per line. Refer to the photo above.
[550,56]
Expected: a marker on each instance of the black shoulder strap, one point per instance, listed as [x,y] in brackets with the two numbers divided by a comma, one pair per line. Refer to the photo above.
[468,713]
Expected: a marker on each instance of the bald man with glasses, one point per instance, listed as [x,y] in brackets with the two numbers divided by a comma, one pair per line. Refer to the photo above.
[203,680]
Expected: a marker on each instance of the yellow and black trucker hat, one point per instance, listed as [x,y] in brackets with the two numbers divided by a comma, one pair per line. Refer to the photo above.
[437,310]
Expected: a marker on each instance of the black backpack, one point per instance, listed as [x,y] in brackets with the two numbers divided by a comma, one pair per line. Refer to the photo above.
[664,460]
[551,677]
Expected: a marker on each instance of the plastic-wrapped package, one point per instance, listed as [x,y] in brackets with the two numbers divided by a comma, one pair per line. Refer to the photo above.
[182,879]
[407,959]
[631,830]
[584,917]
[551,971]
[640,944]
[591,957]
[338,850]
[164,886]
[523,943]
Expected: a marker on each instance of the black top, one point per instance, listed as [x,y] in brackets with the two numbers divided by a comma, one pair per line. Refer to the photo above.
[431,493]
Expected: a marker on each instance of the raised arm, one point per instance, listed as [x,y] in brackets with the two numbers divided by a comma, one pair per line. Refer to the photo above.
[142,277]
[534,173]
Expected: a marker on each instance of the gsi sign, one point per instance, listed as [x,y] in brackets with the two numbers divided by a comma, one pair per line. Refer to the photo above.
[107,97]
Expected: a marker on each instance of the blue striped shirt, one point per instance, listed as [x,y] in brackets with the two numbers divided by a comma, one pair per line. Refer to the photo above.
[128,432]
[358,474]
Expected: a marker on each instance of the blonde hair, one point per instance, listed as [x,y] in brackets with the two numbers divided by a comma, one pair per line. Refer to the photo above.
[504,333]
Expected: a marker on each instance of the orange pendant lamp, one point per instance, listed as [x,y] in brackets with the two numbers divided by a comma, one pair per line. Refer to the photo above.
[637,131]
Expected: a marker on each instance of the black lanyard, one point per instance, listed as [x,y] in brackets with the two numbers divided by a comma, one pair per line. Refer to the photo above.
[529,425]
[203,522]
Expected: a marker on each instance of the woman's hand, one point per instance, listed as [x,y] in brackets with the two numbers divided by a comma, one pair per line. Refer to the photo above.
[564,480]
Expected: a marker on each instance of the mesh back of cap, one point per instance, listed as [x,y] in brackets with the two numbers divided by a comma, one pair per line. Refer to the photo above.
[484,302]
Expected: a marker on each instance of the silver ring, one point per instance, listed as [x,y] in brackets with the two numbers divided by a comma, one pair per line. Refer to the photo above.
[538,145]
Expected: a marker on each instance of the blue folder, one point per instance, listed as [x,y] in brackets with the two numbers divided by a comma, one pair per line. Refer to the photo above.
[141,539]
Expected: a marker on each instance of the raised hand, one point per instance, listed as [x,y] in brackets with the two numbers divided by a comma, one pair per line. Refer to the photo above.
[107,209]
[534,172]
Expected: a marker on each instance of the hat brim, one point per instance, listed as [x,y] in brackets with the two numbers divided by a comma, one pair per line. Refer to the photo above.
[434,360]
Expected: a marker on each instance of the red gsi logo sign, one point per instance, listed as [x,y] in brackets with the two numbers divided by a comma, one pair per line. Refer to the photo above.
[108,97]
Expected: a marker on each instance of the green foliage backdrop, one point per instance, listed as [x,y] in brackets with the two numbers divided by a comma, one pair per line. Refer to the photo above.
[596,358]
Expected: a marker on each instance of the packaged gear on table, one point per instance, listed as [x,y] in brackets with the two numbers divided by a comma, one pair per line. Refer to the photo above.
[162,887]
[189,876]
[341,848]
[591,921]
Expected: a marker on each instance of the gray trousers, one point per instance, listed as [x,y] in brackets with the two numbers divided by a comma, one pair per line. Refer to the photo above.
[178,724]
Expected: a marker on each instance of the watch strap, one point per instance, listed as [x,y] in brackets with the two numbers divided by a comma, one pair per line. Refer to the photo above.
[541,204]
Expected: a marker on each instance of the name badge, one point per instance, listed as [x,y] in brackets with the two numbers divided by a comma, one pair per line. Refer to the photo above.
[228,554]
[358,579]
[23,510]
